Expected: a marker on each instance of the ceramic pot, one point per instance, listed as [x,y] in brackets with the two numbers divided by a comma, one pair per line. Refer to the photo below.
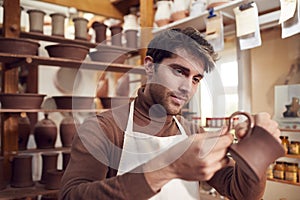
[19,46]
[68,128]
[66,158]
[2,179]
[36,20]
[45,133]
[163,13]
[58,24]
[53,179]
[130,22]
[256,150]
[80,25]
[22,171]
[49,162]
[49,197]
[131,38]
[100,32]
[24,128]
[198,7]
[116,35]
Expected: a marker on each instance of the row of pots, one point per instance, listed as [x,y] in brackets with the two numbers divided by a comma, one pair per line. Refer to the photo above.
[45,132]
[21,169]
[36,24]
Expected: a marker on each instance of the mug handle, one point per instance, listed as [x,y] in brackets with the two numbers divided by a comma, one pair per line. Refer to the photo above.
[248,116]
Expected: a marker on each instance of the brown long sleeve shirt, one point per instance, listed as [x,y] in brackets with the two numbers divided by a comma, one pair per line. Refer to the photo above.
[96,151]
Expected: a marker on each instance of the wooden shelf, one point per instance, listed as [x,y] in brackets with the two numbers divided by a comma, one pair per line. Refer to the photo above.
[16,60]
[290,130]
[292,156]
[283,181]
[16,193]
[56,149]
[49,111]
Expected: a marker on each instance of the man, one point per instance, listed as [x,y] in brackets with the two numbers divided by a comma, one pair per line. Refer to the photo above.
[146,149]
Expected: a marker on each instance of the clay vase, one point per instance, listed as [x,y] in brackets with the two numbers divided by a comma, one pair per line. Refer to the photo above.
[22,171]
[256,150]
[100,32]
[116,35]
[24,129]
[80,25]
[2,179]
[45,133]
[68,128]
[53,179]
[58,24]
[163,13]
[36,20]
[49,162]
[66,158]
[131,38]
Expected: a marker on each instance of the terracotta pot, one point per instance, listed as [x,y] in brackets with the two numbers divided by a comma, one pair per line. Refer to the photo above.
[21,100]
[100,31]
[22,171]
[116,35]
[111,102]
[66,158]
[74,102]
[108,55]
[24,128]
[58,24]
[36,20]
[49,163]
[80,25]
[68,128]
[53,179]
[131,38]
[19,46]
[45,133]
[69,51]
[2,179]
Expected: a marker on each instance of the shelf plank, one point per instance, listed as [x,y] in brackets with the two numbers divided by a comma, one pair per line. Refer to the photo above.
[292,156]
[12,59]
[56,149]
[290,130]
[198,21]
[51,110]
[16,193]
[283,181]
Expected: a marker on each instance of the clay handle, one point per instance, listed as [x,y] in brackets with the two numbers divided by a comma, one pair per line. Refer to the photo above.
[250,121]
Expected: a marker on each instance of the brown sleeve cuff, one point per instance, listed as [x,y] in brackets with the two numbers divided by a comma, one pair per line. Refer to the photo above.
[136,186]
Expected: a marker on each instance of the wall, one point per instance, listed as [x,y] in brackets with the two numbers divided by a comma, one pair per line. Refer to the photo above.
[270,65]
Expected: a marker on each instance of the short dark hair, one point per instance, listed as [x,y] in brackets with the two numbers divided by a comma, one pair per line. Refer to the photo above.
[164,45]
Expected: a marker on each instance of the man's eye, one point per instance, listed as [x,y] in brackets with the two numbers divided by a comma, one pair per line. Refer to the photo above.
[178,71]
[196,80]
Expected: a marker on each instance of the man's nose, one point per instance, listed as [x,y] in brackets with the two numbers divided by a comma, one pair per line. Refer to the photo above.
[186,85]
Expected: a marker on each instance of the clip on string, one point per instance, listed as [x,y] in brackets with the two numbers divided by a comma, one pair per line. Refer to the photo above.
[246,6]
[211,13]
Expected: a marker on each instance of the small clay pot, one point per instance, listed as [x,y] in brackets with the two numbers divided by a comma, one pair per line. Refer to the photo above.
[58,24]
[45,133]
[36,20]
[116,35]
[3,183]
[131,38]
[68,128]
[69,51]
[100,32]
[24,128]
[22,171]
[19,46]
[53,179]
[49,163]
[49,197]
[80,25]
[66,158]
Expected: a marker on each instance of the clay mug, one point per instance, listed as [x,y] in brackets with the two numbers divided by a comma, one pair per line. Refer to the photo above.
[49,162]
[36,20]
[100,32]
[22,171]
[53,179]
[116,35]
[163,13]
[256,150]
[58,24]
[81,30]
[131,38]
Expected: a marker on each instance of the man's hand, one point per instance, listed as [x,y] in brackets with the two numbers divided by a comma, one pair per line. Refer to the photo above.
[197,158]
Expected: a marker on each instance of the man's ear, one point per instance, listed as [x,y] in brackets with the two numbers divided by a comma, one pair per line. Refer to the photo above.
[149,66]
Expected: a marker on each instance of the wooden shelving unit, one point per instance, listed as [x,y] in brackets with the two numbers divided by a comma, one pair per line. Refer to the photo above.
[283,181]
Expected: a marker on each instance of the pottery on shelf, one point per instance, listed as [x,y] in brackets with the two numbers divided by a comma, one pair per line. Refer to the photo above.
[109,55]
[36,20]
[21,100]
[53,179]
[19,46]
[68,128]
[116,35]
[3,182]
[131,38]
[68,51]
[80,25]
[100,32]
[24,128]
[163,13]
[66,158]
[58,24]
[22,171]
[45,133]
[49,162]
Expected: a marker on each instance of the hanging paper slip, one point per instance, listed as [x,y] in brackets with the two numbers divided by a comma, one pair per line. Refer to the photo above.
[245,17]
[214,31]
[292,25]
[287,9]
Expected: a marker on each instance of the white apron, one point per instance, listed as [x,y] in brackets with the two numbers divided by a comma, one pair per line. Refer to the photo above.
[139,148]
